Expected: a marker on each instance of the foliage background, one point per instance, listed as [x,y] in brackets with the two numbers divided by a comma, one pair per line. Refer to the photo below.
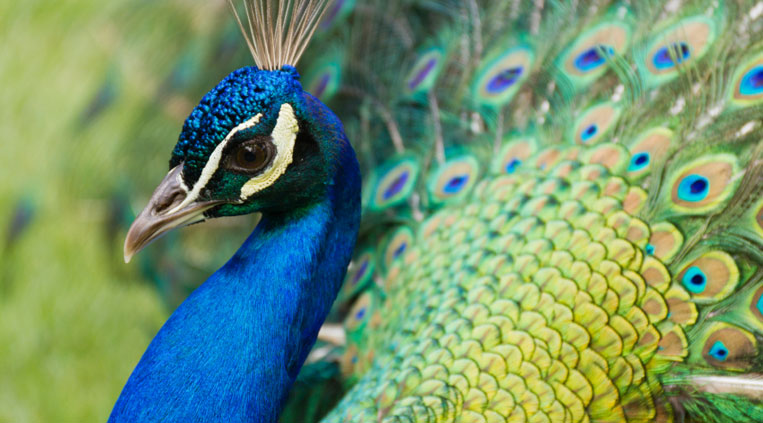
[93,96]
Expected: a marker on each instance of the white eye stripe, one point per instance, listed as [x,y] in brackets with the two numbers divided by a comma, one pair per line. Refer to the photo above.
[214,162]
[284,135]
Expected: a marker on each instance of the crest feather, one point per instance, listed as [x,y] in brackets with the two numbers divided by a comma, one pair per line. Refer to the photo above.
[279,30]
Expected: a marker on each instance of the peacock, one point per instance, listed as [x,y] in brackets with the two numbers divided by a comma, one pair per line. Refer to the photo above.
[544,211]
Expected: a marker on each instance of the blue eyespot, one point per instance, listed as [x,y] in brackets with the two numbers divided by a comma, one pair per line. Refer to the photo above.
[503,80]
[322,84]
[361,271]
[759,304]
[668,56]
[752,82]
[693,188]
[455,184]
[360,313]
[331,14]
[639,161]
[422,74]
[694,280]
[396,185]
[593,57]
[511,167]
[399,250]
[589,132]
[354,359]
[719,351]
[650,249]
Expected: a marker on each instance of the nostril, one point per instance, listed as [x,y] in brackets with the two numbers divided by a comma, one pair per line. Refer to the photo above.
[167,202]
[170,193]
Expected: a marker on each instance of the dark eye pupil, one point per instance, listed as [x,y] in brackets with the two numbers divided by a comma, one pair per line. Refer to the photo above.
[249,156]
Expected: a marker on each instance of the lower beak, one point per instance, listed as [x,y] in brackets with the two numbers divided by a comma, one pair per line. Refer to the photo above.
[168,208]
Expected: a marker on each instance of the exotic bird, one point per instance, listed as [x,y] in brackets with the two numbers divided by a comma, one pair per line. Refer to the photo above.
[562,217]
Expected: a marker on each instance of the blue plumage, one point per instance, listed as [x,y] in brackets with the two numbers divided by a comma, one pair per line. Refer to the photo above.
[233,349]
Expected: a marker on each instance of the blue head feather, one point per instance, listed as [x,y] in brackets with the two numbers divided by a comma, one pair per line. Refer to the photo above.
[239,96]
[232,350]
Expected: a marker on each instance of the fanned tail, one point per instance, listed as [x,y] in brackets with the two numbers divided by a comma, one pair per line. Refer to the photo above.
[638,122]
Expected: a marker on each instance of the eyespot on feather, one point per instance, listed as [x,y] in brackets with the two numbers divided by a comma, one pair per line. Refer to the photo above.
[747,86]
[512,155]
[452,180]
[396,245]
[755,218]
[756,305]
[359,274]
[348,363]
[682,43]
[710,277]
[501,75]
[425,71]
[335,12]
[358,315]
[649,147]
[704,185]
[752,82]
[393,182]
[585,59]
[323,79]
[639,161]
[595,123]
[728,346]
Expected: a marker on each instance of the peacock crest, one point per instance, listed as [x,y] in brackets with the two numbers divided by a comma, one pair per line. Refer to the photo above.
[277,33]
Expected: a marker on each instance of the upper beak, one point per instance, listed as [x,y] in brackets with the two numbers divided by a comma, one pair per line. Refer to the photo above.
[167,209]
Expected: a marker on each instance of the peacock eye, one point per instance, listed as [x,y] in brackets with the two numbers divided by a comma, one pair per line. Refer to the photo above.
[252,156]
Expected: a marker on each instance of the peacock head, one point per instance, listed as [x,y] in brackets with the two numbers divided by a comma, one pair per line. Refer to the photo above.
[255,143]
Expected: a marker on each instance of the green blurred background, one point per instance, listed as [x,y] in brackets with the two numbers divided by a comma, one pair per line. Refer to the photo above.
[93,97]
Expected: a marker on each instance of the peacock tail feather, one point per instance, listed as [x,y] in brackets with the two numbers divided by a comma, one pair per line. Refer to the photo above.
[562,211]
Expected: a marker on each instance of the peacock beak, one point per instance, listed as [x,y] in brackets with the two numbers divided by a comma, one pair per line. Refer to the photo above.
[168,208]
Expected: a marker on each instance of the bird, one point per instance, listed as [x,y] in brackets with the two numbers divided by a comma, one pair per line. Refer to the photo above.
[554,215]
[256,142]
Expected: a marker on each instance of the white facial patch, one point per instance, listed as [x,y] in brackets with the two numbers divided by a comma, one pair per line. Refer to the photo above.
[213,163]
[284,135]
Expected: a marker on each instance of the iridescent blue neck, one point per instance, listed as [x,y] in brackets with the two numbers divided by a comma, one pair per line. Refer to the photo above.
[232,350]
